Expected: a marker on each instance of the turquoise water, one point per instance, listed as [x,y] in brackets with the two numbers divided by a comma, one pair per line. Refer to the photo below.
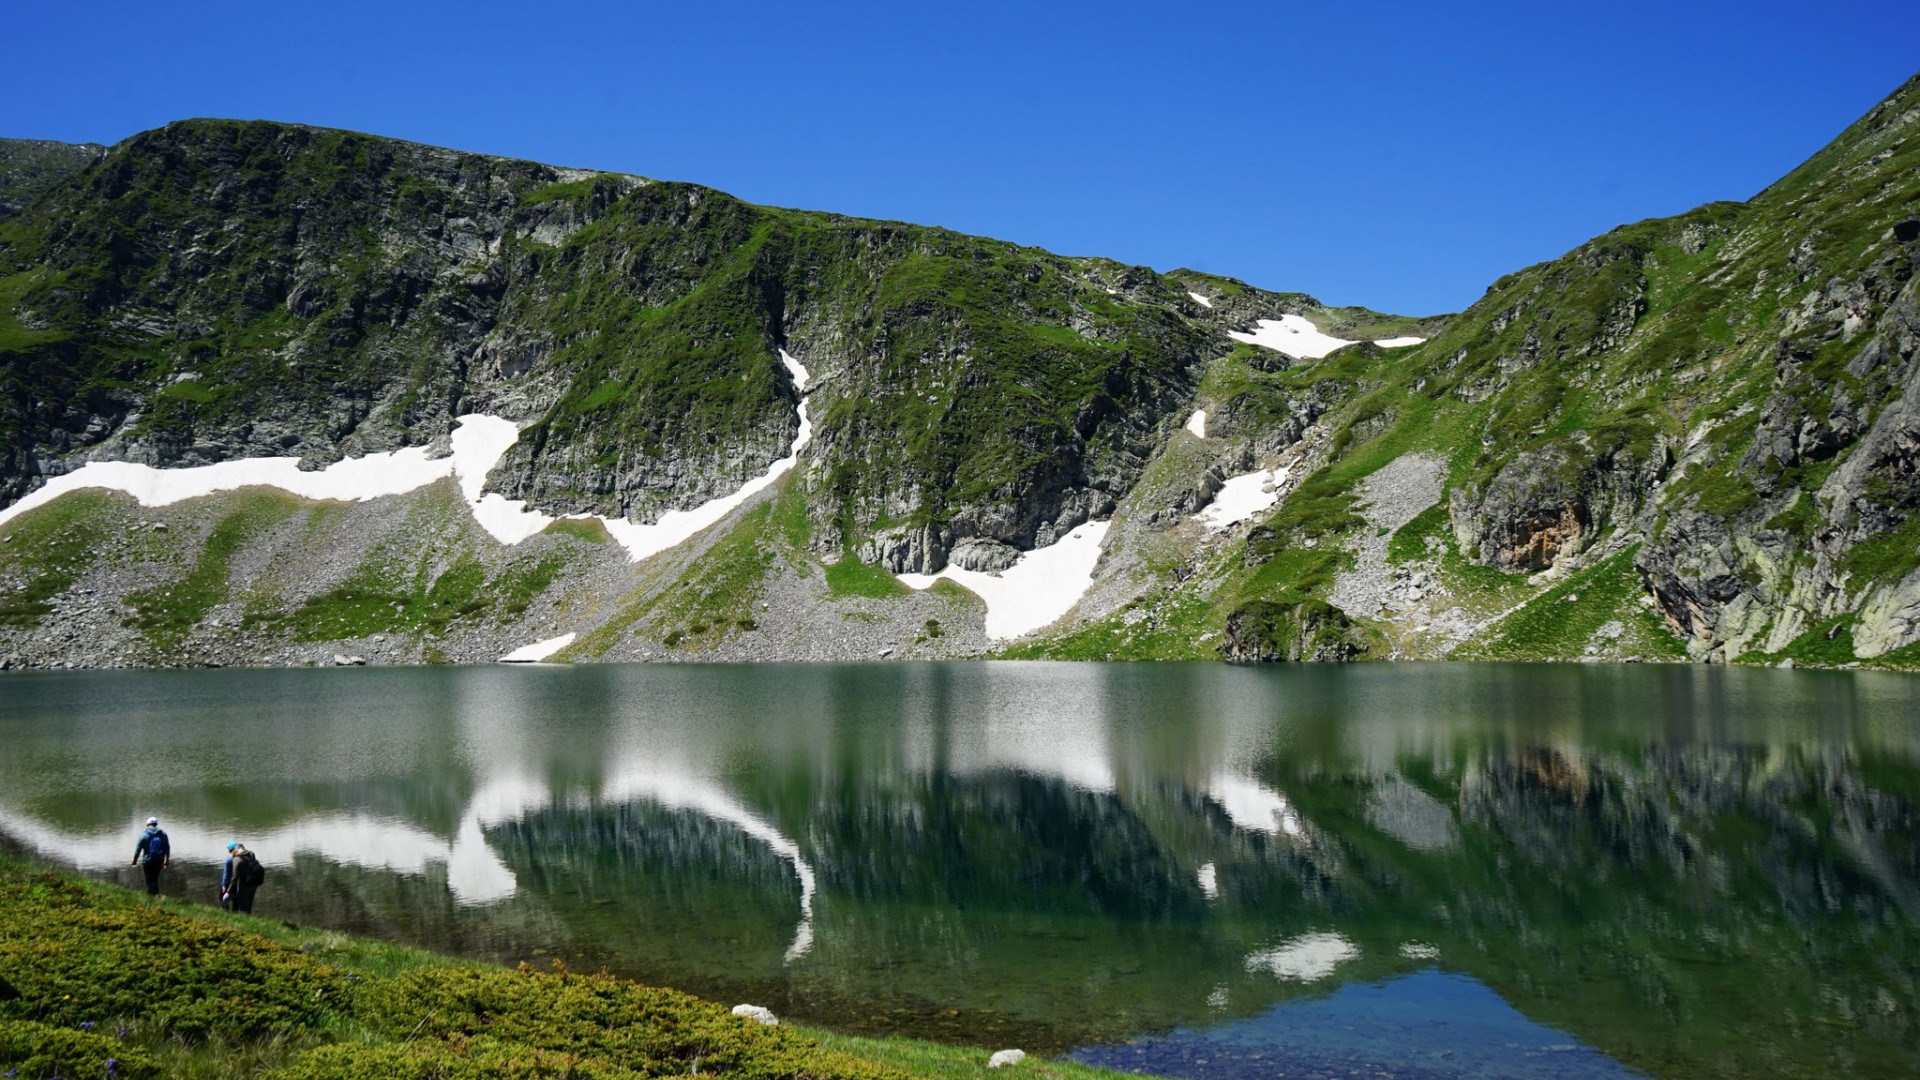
[1419,870]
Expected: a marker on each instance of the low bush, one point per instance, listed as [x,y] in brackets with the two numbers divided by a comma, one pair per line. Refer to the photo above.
[615,1026]
[34,1050]
[70,959]
[442,1059]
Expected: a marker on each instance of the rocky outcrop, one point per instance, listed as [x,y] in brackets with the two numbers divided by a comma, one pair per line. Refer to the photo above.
[1298,631]
[1553,502]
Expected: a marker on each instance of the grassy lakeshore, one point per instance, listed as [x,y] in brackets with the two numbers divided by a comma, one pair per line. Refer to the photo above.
[99,981]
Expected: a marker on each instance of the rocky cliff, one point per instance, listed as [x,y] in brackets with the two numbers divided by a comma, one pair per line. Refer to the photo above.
[1690,438]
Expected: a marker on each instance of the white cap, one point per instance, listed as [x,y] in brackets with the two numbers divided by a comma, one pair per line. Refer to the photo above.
[153,821]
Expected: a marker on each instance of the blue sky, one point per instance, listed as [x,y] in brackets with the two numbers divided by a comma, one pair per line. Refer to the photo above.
[1401,156]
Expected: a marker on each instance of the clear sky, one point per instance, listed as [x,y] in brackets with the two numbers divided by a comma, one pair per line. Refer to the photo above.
[1401,156]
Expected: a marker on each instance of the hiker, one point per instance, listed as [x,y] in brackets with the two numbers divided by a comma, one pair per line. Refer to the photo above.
[239,878]
[157,853]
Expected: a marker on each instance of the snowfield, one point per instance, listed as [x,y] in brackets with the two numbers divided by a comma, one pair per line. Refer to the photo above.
[1241,497]
[538,651]
[478,442]
[1398,342]
[1042,586]
[1293,335]
[1197,423]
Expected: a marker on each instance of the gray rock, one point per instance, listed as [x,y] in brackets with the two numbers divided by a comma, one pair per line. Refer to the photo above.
[982,555]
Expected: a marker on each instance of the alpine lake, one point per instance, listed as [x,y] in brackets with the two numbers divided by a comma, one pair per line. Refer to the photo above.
[1407,870]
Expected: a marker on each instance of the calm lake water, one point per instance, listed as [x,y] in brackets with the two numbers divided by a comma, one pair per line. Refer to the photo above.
[1443,870]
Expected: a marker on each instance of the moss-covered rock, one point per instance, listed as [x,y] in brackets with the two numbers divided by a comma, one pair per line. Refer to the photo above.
[1299,630]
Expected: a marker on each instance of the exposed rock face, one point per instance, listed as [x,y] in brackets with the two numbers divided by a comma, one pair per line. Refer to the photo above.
[1552,502]
[907,550]
[985,556]
[1734,389]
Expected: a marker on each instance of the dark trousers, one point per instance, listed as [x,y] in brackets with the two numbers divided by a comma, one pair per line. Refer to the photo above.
[151,868]
[241,899]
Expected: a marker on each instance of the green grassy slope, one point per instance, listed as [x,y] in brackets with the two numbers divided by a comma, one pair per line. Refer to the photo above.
[100,981]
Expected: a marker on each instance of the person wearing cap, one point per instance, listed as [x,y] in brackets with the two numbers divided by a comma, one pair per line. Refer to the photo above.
[239,878]
[153,852]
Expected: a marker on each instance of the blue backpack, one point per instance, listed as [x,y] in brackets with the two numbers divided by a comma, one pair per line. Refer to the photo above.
[156,844]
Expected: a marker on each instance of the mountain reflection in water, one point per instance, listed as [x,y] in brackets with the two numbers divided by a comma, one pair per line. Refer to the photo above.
[1695,871]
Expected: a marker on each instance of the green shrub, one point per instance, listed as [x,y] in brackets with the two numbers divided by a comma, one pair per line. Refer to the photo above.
[435,1059]
[71,959]
[612,1024]
[31,1049]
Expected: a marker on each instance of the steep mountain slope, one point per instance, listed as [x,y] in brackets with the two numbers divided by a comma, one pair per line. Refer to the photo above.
[217,291]
[1691,436]
[1695,437]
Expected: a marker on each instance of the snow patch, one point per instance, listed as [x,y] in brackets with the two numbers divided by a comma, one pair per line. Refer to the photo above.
[1197,423]
[676,526]
[1307,958]
[1198,299]
[511,522]
[351,480]
[538,651]
[1241,497]
[1209,879]
[1041,586]
[1293,335]
[1398,342]
[478,442]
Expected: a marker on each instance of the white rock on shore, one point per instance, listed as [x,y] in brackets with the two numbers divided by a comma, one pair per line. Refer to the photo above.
[757,1012]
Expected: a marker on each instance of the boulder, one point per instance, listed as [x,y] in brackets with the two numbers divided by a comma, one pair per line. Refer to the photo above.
[984,556]
[759,1013]
[1300,630]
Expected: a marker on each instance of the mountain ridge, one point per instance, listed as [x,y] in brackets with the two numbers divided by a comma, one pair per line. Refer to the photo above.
[1673,412]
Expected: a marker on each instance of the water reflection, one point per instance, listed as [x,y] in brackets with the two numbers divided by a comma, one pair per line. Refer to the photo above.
[1696,871]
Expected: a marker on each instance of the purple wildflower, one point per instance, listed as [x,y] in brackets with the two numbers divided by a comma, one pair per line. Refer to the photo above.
[86,1025]
[113,1066]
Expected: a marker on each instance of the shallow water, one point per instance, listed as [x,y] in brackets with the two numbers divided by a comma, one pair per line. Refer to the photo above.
[1198,870]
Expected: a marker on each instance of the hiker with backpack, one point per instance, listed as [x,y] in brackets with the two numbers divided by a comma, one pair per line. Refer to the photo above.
[157,853]
[240,878]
